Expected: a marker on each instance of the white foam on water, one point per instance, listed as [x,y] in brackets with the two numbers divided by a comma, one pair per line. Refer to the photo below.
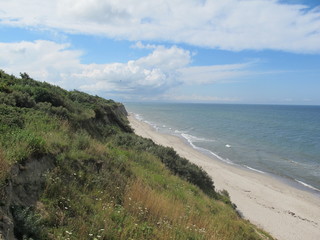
[191,139]
[138,116]
[178,132]
[195,139]
[253,169]
[221,158]
[307,185]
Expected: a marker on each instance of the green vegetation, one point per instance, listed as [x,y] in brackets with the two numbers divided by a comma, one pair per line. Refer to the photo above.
[106,182]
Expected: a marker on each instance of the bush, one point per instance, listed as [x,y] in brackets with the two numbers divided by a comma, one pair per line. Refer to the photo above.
[176,164]
[23,100]
[51,94]
[7,99]
[24,75]
[4,88]
[10,117]
[27,224]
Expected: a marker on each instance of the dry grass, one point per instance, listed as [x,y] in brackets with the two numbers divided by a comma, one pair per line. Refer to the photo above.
[196,217]
[170,216]
[4,166]
[154,206]
[96,148]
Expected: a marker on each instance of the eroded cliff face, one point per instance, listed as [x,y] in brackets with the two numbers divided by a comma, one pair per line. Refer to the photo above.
[30,113]
[21,190]
[120,110]
[118,115]
[27,179]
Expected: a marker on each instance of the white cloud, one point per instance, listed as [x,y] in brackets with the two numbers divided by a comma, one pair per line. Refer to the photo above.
[151,76]
[228,24]
[45,60]
[215,73]
[140,45]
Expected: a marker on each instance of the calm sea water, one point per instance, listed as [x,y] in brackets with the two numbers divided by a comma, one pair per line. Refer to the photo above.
[280,140]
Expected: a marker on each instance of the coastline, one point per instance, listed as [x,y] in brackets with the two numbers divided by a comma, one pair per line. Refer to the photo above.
[280,209]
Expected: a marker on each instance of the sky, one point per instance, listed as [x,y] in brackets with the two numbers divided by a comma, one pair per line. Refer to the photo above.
[215,51]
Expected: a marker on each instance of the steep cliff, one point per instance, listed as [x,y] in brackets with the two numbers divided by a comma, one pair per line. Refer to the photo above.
[26,158]
[71,168]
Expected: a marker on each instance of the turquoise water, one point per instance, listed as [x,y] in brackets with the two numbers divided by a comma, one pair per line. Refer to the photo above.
[280,140]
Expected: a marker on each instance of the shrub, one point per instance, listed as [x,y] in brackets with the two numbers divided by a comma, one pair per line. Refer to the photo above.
[4,87]
[27,224]
[176,164]
[24,75]
[23,100]
[51,95]
[7,99]
[10,117]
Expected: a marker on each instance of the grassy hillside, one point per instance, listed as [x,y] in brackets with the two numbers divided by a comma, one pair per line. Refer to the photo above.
[71,168]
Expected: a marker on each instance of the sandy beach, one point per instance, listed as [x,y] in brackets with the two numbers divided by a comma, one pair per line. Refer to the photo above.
[285,212]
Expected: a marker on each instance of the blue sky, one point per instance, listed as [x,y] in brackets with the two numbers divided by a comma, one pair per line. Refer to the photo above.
[231,51]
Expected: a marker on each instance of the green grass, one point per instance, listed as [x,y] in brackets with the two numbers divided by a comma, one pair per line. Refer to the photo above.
[107,183]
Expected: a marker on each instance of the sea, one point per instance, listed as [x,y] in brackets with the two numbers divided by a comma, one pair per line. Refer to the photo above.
[281,141]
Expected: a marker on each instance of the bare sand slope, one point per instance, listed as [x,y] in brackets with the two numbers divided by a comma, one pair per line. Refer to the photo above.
[285,212]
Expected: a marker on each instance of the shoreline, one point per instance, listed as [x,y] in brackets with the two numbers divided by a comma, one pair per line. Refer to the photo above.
[283,179]
[282,210]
